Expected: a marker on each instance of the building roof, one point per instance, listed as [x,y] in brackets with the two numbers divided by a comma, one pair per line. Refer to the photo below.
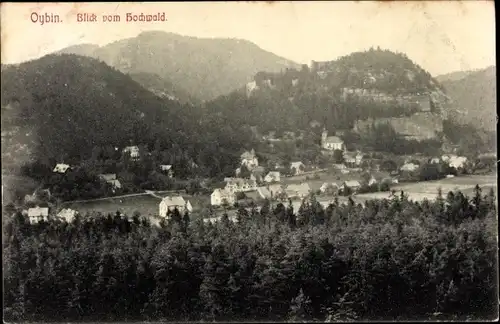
[352,183]
[334,140]
[38,211]
[296,164]
[67,213]
[165,166]
[173,201]
[108,176]
[221,192]
[61,167]
[240,182]
[248,155]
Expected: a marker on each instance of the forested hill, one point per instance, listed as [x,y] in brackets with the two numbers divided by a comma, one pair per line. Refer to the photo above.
[204,68]
[474,96]
[372,84]
[163,88]
[62,106]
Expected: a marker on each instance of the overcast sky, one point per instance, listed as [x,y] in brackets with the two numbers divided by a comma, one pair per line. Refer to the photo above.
[440,36]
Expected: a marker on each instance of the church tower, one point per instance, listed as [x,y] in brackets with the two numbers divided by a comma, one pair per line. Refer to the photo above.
[324,135]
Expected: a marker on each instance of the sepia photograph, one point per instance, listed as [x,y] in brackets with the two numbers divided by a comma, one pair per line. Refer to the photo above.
[278,161]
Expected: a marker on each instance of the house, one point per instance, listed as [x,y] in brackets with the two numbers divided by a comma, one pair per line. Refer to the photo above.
[264,193]
[221,196]
[38,214]
[457,161]
[409,167]
[359,158]
[67,215]
[249,159]
[240,185]
[329,188]
[276,190]
[298,190]
[111,179]
[273,176]
[349,159]
[171,203]
[133,151]
[434,160]
[331,143]
[297,168]
[61,168]
[167,168]
[354,185]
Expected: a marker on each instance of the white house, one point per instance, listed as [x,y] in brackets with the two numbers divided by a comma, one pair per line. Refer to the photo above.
[297,167]
[359,158]
[350,159]
[352,184]
[273,176]
[67,214]
[171,203]
[133,150]
[331,143]
[61,168]
[167,168]
[298,190]
[457,161]
[249,159]
[38,214]
[434,160]
[329,187]
[240,185]
[219,196]
[409,167]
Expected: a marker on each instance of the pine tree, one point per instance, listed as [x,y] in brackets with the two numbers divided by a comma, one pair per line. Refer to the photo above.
[300,308]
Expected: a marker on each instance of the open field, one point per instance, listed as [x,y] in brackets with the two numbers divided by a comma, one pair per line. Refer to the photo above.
[146,205]
[329,176]
[429,189]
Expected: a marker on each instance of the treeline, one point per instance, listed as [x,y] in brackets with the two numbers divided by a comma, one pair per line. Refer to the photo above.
[382,137]
[391,259]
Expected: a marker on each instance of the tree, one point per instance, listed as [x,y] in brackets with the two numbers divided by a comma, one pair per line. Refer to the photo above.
[300,308]
[338,156]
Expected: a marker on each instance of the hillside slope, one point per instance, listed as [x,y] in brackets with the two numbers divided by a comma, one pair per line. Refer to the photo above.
[204,68]
[69,104]
[474,98]
[337,94]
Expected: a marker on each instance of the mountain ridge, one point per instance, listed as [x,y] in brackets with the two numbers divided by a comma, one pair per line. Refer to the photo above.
[203,67]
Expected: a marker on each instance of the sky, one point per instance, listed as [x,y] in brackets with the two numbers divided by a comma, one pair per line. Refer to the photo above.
[440,36]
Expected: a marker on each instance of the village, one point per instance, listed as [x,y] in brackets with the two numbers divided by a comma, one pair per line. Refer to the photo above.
[347,175]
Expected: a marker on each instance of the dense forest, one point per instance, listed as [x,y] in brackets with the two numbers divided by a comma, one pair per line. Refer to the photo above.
[391,259]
